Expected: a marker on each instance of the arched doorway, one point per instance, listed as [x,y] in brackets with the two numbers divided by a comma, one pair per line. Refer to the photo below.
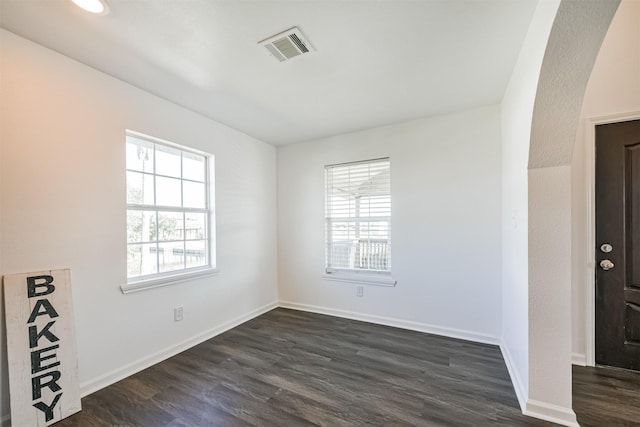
[574,42]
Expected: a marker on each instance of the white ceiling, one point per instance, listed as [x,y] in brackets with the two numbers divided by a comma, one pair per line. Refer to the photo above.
[376,62]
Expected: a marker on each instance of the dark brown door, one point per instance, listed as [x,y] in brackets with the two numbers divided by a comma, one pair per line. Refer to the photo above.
[618,244]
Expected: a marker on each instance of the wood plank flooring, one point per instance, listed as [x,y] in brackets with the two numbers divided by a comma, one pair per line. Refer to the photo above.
[292,368]
[606,397]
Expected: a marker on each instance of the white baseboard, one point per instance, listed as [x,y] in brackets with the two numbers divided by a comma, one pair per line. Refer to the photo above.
[139,365]
[552,413]
[533,408]
[398,323]
[579,359]
[521,392]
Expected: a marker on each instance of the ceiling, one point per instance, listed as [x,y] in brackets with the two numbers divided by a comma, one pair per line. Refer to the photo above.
[375,63]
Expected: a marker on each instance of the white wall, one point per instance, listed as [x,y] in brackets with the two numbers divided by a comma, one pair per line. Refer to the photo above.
[62,204]
[550,394]
[573,44]
[446,256]
[517,112]
[613,90]
[4,369]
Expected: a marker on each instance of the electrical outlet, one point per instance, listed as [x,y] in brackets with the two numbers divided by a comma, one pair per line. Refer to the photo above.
[359,291]
[177,314]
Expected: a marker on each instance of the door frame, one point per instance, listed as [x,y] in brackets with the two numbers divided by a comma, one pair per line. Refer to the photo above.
[590,172]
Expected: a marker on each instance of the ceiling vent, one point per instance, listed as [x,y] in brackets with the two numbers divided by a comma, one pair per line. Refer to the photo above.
[287,45]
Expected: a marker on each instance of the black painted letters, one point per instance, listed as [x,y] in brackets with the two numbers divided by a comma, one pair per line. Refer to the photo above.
[44,359]
[34,335]
[37,282]
[48,309]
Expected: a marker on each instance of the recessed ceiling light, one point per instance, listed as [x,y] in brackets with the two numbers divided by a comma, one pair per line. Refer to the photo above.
[94,6]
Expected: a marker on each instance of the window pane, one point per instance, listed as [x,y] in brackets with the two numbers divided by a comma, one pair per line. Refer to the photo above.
[372,254]
[168,161]
[141,260]
[342,253]
[172,233]
[171,256]
[196,253]
[168,192]
[141,226]
[342,230]
[194,195]
[139,155]
[374,229]
[195,226]
[193,167]
[139,188]
[170,226]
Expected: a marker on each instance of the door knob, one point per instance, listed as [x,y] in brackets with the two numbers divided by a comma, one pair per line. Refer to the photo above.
[606,264]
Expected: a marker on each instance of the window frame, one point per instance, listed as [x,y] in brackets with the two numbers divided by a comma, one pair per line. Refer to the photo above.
[154,280]
[366,276]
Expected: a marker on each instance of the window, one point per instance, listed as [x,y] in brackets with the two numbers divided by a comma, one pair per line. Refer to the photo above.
[357,221]
[168,212]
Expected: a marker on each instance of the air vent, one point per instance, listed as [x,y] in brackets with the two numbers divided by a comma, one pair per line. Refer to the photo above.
[287,45]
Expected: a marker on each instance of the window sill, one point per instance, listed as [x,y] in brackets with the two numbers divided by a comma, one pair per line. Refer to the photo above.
[166,280]
[361,278]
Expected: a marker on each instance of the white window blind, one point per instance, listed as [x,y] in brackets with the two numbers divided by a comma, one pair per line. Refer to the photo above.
[358,216]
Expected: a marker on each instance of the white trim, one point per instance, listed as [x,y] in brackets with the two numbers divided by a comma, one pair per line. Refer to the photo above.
[397,323]
[552,413]
[362,279]
[578,359]
[589,307]
[590,179]
[521,392]
[153,280]
[128,288]
[155,140]
[148,361]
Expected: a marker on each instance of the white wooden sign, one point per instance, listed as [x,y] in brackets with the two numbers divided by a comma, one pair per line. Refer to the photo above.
[41,345]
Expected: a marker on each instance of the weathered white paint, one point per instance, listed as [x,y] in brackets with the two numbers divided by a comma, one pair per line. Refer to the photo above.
[445,227]
[56,111]
[41,343]
[612,94]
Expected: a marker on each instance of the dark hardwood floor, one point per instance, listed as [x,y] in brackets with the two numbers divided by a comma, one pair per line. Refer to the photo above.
[606,397]
[291,368]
